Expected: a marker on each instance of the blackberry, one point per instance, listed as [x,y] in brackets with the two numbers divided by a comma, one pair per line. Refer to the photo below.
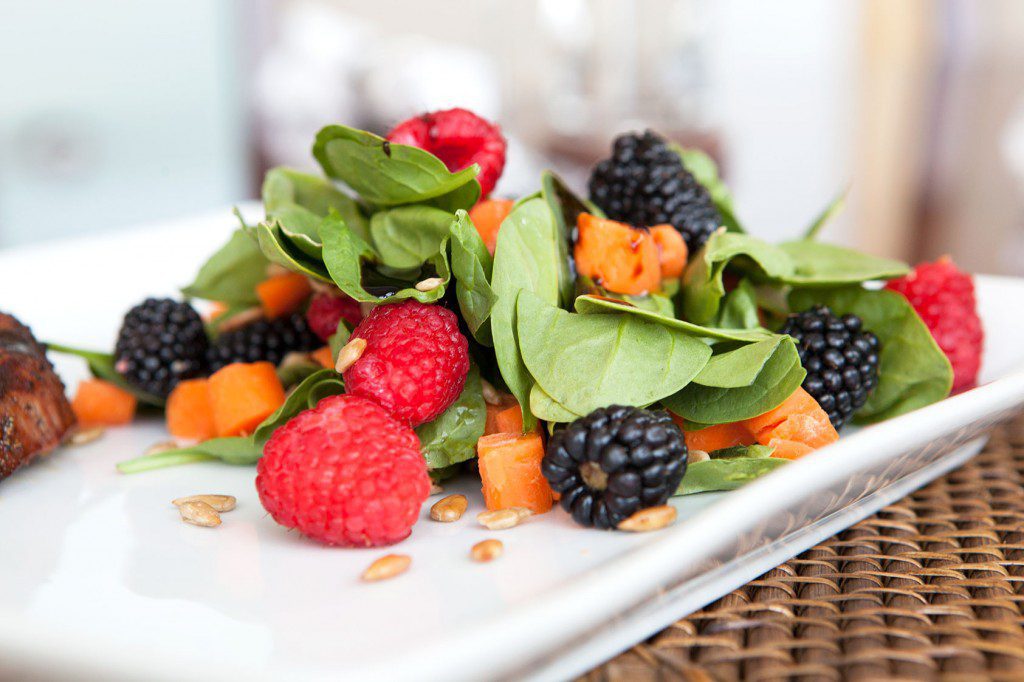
[161,342]
[840,357]
[263,340]
[614,462]
[644,183]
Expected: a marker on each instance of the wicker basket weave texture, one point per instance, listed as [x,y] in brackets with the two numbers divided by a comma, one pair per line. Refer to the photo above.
[930,588]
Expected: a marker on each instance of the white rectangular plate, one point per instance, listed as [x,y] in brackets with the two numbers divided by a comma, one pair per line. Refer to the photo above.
[99,578]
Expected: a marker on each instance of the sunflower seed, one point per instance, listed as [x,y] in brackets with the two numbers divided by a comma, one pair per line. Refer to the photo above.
[652,518]
[500,519]
[349,354]
[220,503]
[449,508]
[387,567]
[199,514]
[487,550]
[86,436]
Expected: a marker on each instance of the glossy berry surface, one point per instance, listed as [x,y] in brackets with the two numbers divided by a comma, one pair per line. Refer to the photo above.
[944,297]
[327,310]
[344,473]
[644,183]
[459,138]
[840,357]
[161,342]
[614,462]
[263,341]
[415,362]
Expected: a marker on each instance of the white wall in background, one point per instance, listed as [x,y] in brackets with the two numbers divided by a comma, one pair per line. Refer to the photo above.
[114,112]
[784,83]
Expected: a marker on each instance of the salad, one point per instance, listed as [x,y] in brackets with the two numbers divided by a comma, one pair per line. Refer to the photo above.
[390,324]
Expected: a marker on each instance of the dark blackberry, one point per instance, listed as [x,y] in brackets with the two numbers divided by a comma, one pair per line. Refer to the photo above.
[644,183]
[614,462]
[161,342]
[263,340]
[840,357]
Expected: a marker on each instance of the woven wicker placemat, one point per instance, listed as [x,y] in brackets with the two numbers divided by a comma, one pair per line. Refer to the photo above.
[929,588]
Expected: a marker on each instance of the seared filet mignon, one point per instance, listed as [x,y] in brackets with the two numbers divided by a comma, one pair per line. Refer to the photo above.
[34,413]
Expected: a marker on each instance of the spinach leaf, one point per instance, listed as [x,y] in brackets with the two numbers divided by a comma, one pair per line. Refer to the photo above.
[233,450]
[816,264]
[338,339]
[758,451]
[779,377]
[306,395]
[451,438]
[547,408]
[730,473]
[738,367]
[739,308]
[293,374]
[350,262]
[834,208]
[565,207]
[102,367]
[471,267]
[594,305]
[913,370]
[231,274]
[526,259]
[406,236]
[659,304]
[279,248]
[300,201]
[588,361]
[388,174]
[705,171]
[244,449]
[703,287]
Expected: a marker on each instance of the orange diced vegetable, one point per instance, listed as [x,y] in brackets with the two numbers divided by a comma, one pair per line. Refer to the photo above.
[487,217]
[323,357]
[616,256]
[509,420]
[283,294]
[799,418]
[101,403]
[188,412]
[719,437]
[672,251]
[242,395]
[510,472]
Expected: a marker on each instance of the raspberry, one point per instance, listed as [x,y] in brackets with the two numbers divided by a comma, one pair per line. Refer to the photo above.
[459,138]
[325,311]
[415,362]
[344,473]
[944,298]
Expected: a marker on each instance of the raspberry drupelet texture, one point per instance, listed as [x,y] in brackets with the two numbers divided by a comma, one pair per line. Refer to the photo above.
[415,362]
[459,138]
[944,298]
[326,311]
[344,473]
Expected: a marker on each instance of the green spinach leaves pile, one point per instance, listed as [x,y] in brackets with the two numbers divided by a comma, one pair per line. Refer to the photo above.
[384,217]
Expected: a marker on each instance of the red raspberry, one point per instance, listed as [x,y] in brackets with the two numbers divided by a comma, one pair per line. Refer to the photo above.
[344,473]
[944,298]
[326,310]
[459,138]
[415,362]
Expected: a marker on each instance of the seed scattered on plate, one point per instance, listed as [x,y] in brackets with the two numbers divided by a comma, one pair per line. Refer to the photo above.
[87,435]
[501,519]
[487,550]
[387,567]
[349,353]
[449,509]
[199,514]
[219,503]
[429,284]
[652,518]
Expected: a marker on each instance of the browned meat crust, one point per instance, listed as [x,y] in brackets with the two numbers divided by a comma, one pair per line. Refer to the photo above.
[34,413]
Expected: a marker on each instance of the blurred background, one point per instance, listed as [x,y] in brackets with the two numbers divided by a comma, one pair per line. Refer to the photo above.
[119,112]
